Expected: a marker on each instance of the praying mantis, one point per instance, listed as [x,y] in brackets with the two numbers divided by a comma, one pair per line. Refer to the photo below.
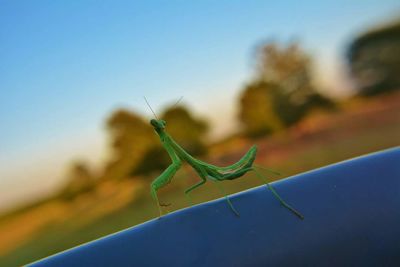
[203,169]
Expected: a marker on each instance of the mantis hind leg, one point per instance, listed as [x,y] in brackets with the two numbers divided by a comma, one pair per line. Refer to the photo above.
[283,203]
[221,189]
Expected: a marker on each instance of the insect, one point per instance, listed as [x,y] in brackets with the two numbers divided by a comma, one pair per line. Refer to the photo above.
[203,169]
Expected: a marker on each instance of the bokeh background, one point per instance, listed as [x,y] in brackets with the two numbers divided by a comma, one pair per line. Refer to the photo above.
[310,82]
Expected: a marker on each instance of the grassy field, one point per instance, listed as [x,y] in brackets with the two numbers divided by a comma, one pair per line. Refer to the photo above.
[320,140]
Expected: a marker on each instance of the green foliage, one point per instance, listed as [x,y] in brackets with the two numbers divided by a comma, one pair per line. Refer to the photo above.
[136,148]
[374,59]
[282,92]
[257,111]
[131,137]
[154,159]
[187,130]
[130,132]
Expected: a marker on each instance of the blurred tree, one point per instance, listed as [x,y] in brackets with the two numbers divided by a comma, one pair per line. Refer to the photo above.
[155,159]
[186,130]
[374,59]
[282,92]
[131,138]
[290,68]
[257,109]
[79,180]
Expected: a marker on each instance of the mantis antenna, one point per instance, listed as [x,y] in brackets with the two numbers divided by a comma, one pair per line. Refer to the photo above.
[145,99]
[177,102]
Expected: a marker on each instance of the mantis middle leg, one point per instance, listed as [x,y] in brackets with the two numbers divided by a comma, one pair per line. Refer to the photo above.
[203,181]
[221,189]
[202,174]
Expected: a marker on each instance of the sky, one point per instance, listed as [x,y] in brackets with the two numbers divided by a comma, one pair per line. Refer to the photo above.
[66,65]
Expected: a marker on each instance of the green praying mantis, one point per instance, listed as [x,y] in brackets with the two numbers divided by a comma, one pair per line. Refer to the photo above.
[203,169]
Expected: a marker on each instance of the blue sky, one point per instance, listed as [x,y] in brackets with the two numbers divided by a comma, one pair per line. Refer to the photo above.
[65,65]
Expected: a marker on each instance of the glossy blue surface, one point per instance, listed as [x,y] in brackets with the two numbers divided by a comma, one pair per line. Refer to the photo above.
[352,218]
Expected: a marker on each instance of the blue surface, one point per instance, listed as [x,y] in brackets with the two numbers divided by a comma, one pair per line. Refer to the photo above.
[352,218]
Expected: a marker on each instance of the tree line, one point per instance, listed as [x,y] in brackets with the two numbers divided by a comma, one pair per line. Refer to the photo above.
[280,94]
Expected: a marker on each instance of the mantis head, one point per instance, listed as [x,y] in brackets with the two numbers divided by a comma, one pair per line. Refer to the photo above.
[158,124]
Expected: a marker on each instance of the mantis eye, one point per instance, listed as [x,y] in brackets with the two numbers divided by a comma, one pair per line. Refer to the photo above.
[163,122]
[153,122]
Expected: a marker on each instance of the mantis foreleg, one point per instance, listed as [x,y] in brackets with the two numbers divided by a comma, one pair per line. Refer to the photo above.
[164,179]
